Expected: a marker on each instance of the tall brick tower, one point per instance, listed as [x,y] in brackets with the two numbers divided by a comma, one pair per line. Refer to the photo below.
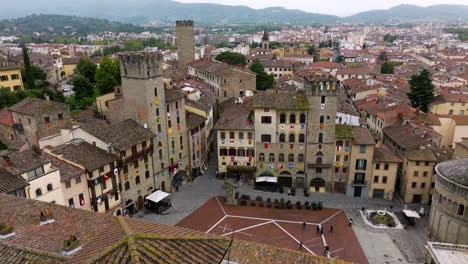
[265,44]
[321,91]
[185,43]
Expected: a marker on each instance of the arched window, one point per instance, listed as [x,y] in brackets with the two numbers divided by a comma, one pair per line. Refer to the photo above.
[137,180]
[322,99]
[321,119]
[320,139]
[38,192]
[300,158]
[261,157]
[339,143]
[147,174]
[318,160]
[292,138]
[461,209]
[49,187]
[281,157]
[291,158]
[292,118]
[271,158]
[282,138]
[301,138]
[127,185]
[302,119]
[160,154]
[282,118]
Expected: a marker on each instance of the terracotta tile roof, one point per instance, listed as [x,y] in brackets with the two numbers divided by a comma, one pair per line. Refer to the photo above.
[409,136]
[4,66]
[33,106]
[194,120]
[68,61]
[324,64]
[67,170]
[6,118]
[277,63]
[213,67]
[122,135]
[119,240]
[280,100]
[18,162]
[352,70]
[172,95]
[10,183]
[13,255]
[82,153]
[424,154]
[383,154]
[362,136]
[235,116]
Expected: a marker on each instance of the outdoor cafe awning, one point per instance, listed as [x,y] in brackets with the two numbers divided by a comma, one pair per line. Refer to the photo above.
[157,196]
[266,179]
[411,214]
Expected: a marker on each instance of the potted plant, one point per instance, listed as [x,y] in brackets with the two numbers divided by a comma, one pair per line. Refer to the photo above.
[298,205]
[288,204]
[320,205]
[314,205]
[259,198]
[307,205]
[293,191]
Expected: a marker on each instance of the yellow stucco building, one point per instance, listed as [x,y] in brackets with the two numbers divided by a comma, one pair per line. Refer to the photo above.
[69,65]
[450,104]
[10,76]
[384,174]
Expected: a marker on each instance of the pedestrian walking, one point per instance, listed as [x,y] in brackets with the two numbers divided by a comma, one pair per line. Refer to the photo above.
[321,230]
[331,228]
[318,229]
[289,192]
[327,249]
[303,226]
[300,245]
[350,222]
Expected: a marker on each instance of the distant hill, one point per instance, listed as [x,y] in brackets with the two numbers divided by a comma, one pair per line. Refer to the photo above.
[58,24]
[167,11]
[411,13]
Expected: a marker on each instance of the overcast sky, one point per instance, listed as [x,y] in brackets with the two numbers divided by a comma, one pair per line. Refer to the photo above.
[336,7]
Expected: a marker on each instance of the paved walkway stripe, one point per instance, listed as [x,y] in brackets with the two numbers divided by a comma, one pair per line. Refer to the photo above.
[268,219]
[284,230]
[246,228]
[222,208]
[333,215]
[217,223]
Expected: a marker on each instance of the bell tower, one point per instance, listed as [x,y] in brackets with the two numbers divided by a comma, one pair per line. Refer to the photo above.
[265,40]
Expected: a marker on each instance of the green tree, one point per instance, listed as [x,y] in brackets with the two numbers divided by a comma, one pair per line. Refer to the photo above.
[3,146]
[383,56]
[86,68]
[82,87]
[107,75]
[7,98]
[421,92]
[232,58]
[311,50]
[340,59]
[387,68]
[264,80]
[389,38]
[27,68]
[133,45]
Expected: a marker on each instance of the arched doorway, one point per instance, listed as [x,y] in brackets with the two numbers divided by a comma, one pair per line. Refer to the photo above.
[119,212]
[300,179]
[129,208]
[140,202]
[317,183]
[285,179]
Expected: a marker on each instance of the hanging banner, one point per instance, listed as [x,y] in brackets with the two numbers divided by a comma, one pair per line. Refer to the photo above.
[265,145]
[231,141]
[156,100]
[302,126]
[223,141]
[105,177]
[282,126]
[96,181]
[177,112]
[116,171]
[281,146]
[241,141]
[169,131]
[272,166]
[291,166]
[291,146]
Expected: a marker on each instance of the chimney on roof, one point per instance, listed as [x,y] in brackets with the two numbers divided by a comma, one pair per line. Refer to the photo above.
[45,217]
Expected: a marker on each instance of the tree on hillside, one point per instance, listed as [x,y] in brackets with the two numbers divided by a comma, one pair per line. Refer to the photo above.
[325,44]
[82,87]
[311,50]
[133,45]
[232,58]
[86,68]
[264,80]
[389,38]
[107,75]
[387,68]
[27,69]
[422,90]
[383,56]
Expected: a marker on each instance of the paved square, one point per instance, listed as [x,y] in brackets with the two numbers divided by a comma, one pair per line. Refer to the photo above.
[280,227]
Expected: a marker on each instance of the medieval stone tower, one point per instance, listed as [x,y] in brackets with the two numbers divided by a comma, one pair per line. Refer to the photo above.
[185,43]
[265,44]
[321,91]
